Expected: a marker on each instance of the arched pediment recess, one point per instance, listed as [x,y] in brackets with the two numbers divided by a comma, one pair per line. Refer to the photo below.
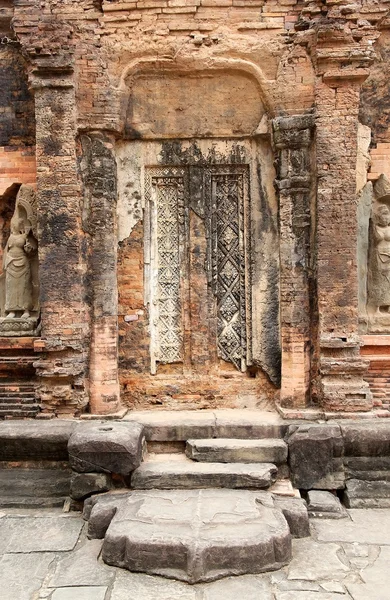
[166,98]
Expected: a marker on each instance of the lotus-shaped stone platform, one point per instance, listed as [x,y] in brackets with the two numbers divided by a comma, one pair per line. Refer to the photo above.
[193,535]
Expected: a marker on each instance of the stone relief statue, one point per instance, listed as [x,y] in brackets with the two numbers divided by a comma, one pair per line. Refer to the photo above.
[379,259]
[19,302]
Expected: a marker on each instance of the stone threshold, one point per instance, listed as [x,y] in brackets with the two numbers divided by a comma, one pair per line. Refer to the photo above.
[316,414]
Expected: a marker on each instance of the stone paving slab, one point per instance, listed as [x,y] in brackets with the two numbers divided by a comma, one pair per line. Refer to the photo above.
[312,561]
[82,568]
[80,593]
[74,574]
[22,574]
[39,534]
[366,527]
[247,587]
[310,596]
[136,586]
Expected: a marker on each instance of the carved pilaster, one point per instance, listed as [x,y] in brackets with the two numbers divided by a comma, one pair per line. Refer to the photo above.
[337,96]
[293,139]
[98,169]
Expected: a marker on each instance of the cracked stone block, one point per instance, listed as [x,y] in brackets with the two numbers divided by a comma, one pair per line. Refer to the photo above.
[325,505]
[315,457]
[194,535]
[295,513]
[237,451]
[187,474]
[83,485]
[106,447]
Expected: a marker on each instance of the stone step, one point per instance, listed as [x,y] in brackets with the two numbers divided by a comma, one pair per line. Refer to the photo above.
[175,426]
[227,450]
[167,472]
[35,440]
[16,391]
[34,487]
[18,400]
[367,494]
[195,535]
[19,413]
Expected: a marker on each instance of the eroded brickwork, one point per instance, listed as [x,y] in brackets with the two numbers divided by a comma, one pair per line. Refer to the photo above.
[209,90]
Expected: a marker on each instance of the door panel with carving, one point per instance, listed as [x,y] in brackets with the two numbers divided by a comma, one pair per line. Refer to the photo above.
[195,215]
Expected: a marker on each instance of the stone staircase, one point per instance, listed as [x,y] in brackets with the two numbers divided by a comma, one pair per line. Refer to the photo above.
[196,496]
[215,463]
[18,400]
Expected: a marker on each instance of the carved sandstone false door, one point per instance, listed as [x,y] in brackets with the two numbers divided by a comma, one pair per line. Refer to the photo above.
[197,267]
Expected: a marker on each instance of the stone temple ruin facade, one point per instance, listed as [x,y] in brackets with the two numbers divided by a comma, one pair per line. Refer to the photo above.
[195,206]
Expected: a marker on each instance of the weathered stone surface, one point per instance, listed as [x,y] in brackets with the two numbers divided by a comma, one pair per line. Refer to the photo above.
[312,561]
[100,510]
[366,527]
[81,593]
[186,474]
[296,515]
[369,439]
[83,485]
[309,596]
[21,575]
[29,440]
[226,450]
[170,425]
[368,468]
[367,494]
[326,505]
[375,579]
[34,487]
[39,534]
[106,447]
[196,535]
[82,568]
[151,588]
[250,587]
[315,453]
[248,424]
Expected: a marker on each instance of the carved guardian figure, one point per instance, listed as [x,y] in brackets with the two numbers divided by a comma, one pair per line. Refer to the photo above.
[19,288]
[379,260]
[18,283]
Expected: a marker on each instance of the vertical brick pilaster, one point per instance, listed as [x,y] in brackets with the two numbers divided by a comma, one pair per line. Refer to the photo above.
[342,387]
[98,169]
[292,138]
[65,318]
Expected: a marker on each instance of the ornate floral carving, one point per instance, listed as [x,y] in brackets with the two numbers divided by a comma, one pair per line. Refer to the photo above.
[164,192]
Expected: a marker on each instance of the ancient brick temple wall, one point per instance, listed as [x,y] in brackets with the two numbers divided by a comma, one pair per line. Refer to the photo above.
[17,112]
[97,92]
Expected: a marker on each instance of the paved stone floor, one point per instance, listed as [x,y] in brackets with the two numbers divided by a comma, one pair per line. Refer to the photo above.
[45,554]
